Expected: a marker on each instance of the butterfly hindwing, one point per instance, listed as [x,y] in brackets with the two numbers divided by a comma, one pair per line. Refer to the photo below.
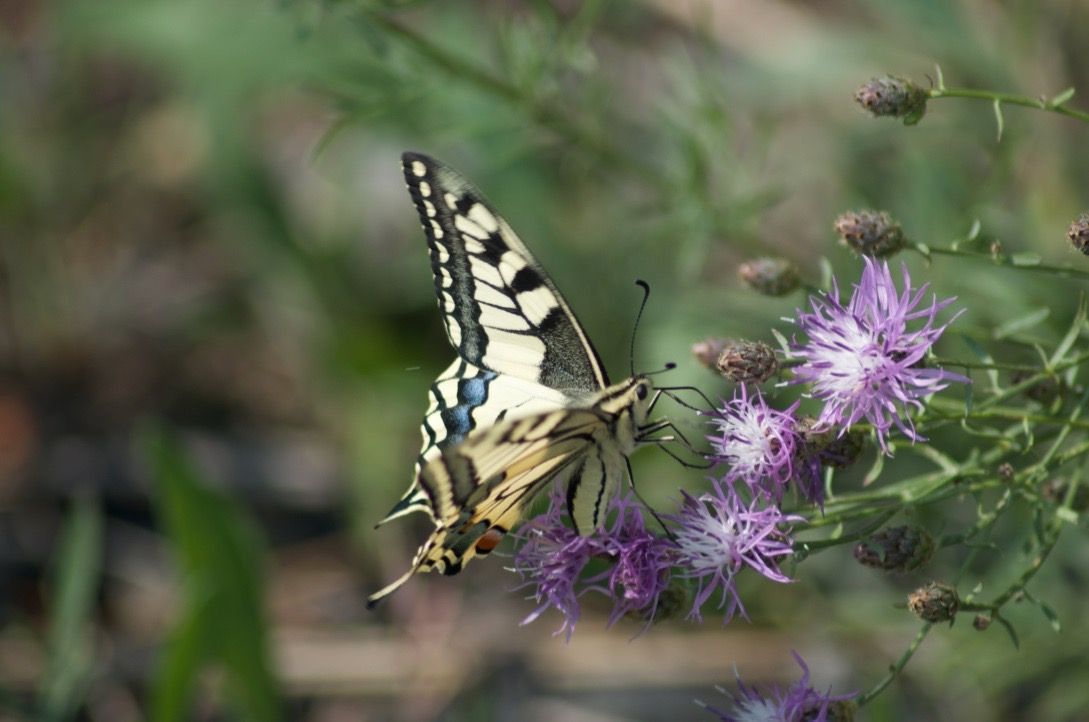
[500,310]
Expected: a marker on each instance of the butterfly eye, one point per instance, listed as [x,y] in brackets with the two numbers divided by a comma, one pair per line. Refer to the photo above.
[641,391]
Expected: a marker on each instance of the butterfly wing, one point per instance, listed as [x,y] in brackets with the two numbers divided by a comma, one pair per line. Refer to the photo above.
[464,398]
[479,489]
[501,311]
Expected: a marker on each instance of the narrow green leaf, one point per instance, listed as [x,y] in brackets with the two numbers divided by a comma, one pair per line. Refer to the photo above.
[940,77]
[1010,630]
[998,118]
[1062,97]
[1026,260]
[70,637]
[973,232]
[1022,323]
[1076,327]
[1051,614]
[983,355]
[219,555]
[875,470]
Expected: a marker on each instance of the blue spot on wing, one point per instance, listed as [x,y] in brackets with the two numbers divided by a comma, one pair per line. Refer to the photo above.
[458,419]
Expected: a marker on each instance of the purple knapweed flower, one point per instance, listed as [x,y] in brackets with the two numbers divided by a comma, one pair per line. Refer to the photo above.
[861,359]
[757,442]
[643,563]
[798,703]
[552,557]
[718,535]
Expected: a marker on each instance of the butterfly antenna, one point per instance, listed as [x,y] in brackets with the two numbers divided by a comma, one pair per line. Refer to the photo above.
[638,317]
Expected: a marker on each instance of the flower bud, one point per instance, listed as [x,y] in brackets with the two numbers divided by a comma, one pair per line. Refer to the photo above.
[748,362]
[708,350]
[1005,472]
[769,276]
[896,549]
[934,602]
[870,233]
[981,622]
[1079,233]
[832,448]
[893,97]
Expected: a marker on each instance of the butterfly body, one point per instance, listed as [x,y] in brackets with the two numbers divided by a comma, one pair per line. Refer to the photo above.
[527,402]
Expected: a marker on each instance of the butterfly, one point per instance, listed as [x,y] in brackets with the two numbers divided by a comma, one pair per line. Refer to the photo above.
[527,402]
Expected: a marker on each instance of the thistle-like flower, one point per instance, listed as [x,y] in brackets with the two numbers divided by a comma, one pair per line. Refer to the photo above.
[756,441]
[642,566]
[797,703]
[550,558]
[718,535]
[863,361]
[890,96]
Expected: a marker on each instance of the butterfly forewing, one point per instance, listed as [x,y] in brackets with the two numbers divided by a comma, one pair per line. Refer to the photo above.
[500,310]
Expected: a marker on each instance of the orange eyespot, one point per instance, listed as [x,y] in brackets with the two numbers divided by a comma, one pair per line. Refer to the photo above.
[489,540]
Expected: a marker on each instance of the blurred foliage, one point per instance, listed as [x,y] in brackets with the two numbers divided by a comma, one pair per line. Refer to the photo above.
[222,620]
[202,220]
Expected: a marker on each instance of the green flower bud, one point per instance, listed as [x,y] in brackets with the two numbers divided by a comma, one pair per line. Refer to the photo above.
[870,233]
[934,602]
[769,276]
[1079,233]
[893,97]
[896,549]
[748,362]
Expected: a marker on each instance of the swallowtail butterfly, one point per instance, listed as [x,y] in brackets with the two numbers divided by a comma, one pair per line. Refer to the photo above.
[527,401]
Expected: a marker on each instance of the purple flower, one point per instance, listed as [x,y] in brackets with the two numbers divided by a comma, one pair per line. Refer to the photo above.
[757,442]
[798,703]
[718,535]
[862,360]
[552,558]
[643,563]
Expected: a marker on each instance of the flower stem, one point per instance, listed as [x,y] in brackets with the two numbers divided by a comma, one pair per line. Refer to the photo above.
[1011,99]
[1005,261]
[897,667]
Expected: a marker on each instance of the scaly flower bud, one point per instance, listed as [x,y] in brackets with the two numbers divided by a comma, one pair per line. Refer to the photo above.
[1079,233]
[893,97]
[748,362]
[769,276]
[870,233]
[896,549]
[1045,391]
[935,602]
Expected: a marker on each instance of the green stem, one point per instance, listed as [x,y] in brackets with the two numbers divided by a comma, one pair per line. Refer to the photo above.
[1005,261]
[897,667]
[1011,99]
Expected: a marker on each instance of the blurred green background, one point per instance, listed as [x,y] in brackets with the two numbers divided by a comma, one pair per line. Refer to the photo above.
[217,328]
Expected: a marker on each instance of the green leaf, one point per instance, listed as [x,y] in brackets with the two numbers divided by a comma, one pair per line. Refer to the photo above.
[1072,334]
[998,118]
[219,556]
[983,355]
[875,470]
[70,639]
[1061,98]
[1026,260]
[1051,614]
[1022,323]
[1010,630]
[973,232]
